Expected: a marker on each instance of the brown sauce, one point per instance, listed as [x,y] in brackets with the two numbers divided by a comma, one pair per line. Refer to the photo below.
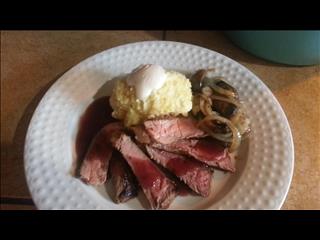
[95,117]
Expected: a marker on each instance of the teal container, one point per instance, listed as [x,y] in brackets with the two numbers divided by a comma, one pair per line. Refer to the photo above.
[289,47]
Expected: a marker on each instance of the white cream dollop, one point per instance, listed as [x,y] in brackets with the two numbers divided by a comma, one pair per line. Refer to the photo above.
[146,79]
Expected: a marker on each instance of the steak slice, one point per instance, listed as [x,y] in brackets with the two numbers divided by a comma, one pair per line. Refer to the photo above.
[158,189]
[95,165]
[124,183]
[193,173]
[204,150]
[167,131]
[141,134]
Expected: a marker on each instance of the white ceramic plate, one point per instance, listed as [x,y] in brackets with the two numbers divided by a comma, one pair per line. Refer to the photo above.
[264,168]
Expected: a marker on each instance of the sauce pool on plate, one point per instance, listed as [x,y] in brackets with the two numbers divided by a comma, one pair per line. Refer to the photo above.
[95,117]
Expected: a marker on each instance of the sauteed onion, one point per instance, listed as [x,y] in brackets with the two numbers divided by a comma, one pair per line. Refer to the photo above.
[217,105]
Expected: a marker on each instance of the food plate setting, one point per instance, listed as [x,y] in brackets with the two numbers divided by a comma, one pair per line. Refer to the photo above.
[159,125]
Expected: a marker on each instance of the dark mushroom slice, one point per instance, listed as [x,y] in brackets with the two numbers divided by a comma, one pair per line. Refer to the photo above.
[225,109]
[220,86]
[197,79]
[208,124]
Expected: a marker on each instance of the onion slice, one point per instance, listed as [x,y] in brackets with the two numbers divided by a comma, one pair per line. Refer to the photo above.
[236,136]
[222,91]
[224,137]
[205,105]
[232,101]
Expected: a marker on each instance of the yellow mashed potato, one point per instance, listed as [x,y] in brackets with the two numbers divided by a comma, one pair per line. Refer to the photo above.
[173,98]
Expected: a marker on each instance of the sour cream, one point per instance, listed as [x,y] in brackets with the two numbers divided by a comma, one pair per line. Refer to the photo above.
[146,79]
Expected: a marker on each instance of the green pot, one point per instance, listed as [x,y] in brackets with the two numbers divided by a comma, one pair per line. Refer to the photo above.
[288,47]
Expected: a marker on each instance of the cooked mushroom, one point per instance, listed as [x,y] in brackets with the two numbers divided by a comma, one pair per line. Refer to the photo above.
[217,104]
[211,120]
[226,109]
[220,86]
[198,77]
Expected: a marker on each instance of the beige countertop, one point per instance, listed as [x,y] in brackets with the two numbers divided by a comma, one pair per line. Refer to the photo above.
[32,60]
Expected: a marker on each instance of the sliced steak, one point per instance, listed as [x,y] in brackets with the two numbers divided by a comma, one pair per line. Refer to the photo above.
[125,185]
[167,131]
[141,134]
[95,165]
[159,190]
[193,173]
[204,150]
